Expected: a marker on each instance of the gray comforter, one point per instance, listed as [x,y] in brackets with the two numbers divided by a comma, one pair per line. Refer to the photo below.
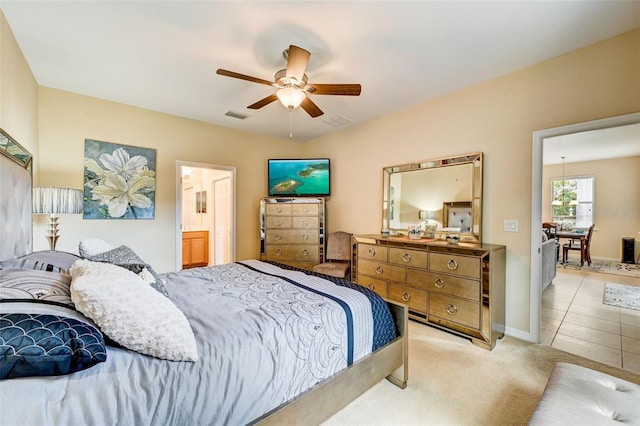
[261,339]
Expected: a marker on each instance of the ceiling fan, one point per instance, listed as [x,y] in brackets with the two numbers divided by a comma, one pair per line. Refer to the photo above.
[293,86]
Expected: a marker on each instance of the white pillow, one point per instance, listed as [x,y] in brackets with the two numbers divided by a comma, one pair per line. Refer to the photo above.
[131,312]
[91,246]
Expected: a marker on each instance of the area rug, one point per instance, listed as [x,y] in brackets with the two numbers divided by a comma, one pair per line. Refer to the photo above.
[621,295]
[603,266]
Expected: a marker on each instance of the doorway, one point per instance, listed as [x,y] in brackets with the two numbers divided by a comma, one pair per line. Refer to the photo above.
[539,137]
[205,203]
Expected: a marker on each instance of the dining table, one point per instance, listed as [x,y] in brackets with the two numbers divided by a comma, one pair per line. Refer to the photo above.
[578,236]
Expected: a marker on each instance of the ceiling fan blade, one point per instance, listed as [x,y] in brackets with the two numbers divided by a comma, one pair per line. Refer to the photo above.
[263,102]
[226,73]
[335,89]
[311,108]
[297,60]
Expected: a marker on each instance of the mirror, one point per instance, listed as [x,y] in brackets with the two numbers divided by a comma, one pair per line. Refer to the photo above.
[443,195]
[15,151]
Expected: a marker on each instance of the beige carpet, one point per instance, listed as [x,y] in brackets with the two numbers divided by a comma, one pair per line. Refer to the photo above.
[453,382]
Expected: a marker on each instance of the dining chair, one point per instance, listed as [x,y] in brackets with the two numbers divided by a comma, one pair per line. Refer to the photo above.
[550,228]
[585,248]
[338,255]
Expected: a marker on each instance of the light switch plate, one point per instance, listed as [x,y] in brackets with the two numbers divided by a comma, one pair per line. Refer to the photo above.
[510,225]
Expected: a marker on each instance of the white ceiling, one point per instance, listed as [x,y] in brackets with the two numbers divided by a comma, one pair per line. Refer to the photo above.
[162,55]
[613,142]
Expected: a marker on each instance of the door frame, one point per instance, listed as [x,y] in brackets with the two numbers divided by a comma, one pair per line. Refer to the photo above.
[178,226]
[535,287]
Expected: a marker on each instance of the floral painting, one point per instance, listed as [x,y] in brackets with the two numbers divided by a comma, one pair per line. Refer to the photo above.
[119,181]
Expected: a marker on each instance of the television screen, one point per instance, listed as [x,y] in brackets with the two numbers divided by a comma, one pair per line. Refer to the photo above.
[299,177]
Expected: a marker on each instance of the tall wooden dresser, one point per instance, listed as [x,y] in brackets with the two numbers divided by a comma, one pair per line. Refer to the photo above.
[458,287]
[293,230]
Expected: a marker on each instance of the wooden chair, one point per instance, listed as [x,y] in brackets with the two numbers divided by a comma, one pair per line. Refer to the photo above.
[550,229]
[584,248]
[338,255]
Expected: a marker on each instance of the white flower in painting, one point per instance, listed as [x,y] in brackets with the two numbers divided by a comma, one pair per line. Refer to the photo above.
[122,183]
[122,163]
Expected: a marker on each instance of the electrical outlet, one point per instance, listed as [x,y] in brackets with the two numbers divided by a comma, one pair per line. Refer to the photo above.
[510,225]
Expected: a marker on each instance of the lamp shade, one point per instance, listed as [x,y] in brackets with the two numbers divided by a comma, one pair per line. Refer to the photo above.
[50,200]
[290,97]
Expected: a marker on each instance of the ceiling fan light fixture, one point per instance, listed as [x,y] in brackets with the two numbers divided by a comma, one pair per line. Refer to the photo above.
[291,98]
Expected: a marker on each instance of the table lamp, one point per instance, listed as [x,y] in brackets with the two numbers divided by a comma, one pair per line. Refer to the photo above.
[55,201]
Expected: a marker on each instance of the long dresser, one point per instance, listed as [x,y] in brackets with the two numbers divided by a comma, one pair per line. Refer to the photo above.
[293,230]
[457,287]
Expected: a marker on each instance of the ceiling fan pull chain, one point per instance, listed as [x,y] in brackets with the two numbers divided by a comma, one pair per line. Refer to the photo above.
[290,123]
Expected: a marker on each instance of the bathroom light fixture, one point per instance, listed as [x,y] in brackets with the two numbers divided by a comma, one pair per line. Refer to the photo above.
[55,201]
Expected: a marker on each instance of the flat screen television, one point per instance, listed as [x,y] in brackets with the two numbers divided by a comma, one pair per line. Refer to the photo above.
[300,177]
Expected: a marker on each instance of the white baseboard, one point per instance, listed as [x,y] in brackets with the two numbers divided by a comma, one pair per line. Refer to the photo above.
[518,334]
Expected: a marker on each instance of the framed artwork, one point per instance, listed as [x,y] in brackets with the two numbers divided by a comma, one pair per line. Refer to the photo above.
[119,181]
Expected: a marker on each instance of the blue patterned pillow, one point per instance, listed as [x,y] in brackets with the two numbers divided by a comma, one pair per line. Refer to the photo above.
[47,345]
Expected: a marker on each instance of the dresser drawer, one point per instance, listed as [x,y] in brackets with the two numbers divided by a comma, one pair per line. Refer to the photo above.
[381,270]
[280,253]
[292,236]
[455,310]
[445,284]
[369,251]
[278,209]
[302,209]
[377,285]
[306,222]
[454,264]
[416,299]
[415,258]
[275,222]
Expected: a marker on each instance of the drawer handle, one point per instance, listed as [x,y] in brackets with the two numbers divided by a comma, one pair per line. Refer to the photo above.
[452,309]
[279,209]
[305,209]
[279,222]
[278,252]
[305,252]
[452,264]
[278,237]
[379,270]
[305,236]
[439,283]
[406,257]
[305,222]
[372,252]
[371,286]
[406,296]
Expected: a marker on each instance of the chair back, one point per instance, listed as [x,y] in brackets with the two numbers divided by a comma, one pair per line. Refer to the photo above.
[550,229]
[589,235]
[339,246]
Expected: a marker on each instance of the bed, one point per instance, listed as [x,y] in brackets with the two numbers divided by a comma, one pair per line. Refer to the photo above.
[245,343]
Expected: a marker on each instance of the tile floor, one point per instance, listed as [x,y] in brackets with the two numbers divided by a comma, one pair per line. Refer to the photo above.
[575,320]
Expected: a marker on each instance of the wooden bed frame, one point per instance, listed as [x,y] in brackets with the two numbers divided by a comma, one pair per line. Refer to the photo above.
[313,406]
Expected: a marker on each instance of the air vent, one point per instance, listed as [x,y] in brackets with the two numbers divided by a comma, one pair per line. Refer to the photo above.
[236,115]
[336,121]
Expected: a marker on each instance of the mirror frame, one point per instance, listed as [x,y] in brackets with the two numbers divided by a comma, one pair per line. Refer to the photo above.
[474,159]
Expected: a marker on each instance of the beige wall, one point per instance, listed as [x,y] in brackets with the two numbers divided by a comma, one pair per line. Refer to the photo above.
[18,92]
[496,117]
[67,119]
[616,200]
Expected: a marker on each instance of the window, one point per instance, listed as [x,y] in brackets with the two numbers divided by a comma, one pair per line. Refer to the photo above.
[572,205]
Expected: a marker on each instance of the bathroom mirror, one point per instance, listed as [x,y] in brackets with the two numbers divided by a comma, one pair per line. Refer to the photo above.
[443,195]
